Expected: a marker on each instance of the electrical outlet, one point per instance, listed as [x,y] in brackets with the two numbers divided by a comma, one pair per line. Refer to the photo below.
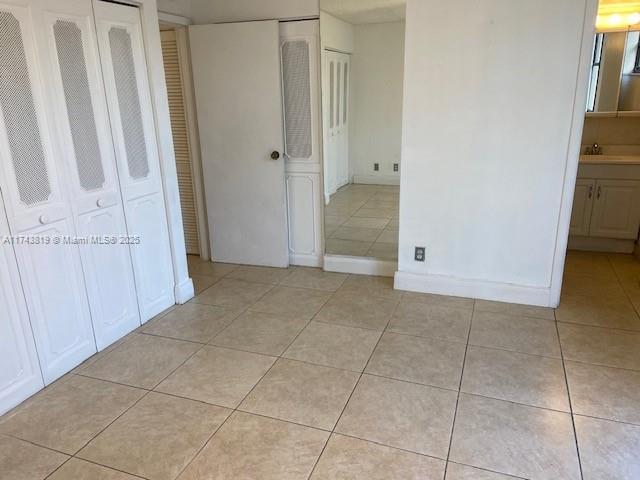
[376,167]
[420,254]
[395,167]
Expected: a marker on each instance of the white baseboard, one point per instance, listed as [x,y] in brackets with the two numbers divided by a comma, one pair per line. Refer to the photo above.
[377,179]
[305,260]
[359,265]
[184,291]
[593,244]
[485,290]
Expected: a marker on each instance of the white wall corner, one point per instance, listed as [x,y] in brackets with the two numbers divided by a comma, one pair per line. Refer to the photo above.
[184,291]
[471,288]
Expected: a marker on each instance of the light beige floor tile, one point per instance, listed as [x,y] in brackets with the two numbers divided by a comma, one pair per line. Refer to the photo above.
[388,235]
[394,222]
[608,450]
[357,234]
[372,286]
[435,321]
[233,293]
[295,302]
[202,282]
[387,212]
[314,278]
[589,263]
[143,361]
[261,333]
[77,469]
[21,460]
[69,413]
[334,346]
[515,439]
[351,458]
[516,377]
[456,471]
[440,300]
[302,393]
[514,309]
[334,246]
[417,359]
[515,333]
[334,221]
[210,269]
[384,251]
[604,392]
[400,414]
[600,346]
[363,222]
[358,310]
[591,285]
[603,311]
[268,275]
[156,438]
[253,447]
[217,375]
[193,322]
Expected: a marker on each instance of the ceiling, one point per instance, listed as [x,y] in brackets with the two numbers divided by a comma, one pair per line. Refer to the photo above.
[358,12]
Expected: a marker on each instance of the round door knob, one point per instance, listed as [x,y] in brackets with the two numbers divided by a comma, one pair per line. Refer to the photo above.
[100,203]
[275,155]
[43,219]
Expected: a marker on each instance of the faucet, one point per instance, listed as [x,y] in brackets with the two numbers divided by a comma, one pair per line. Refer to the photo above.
[595,149]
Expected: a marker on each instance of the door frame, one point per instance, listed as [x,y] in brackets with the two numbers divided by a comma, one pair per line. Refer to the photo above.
[183,288]
[179,26]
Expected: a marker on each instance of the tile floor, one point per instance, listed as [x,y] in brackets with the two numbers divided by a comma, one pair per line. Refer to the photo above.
[301,374]
[362,221]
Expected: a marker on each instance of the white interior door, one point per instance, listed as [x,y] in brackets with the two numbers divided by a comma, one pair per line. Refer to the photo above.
[131,113]
[37,210]
[86,152]
[239,97]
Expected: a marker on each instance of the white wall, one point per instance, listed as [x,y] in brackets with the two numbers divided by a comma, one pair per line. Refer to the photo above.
[336,34]
[377,72]
[219,11]
[489,129]
[175,7]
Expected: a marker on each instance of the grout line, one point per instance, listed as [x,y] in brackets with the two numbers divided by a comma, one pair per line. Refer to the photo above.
[573,423]
[455,412]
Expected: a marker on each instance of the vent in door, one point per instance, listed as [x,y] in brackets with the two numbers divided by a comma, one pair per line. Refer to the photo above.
[124,71]
[297,98]
[19,113]
[73,69]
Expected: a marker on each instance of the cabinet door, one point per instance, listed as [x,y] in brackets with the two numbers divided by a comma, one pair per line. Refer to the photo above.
[131,113]
[36,207]
[616,211]
[582,206]
[20,375]
[85,152]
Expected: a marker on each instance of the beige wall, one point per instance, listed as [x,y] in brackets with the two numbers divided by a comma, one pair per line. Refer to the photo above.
[611,131]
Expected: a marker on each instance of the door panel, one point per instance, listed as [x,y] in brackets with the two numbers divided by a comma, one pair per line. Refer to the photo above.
[240,113]
[616,211]
[129,103]
[87,155]
[51,273]
[20,374]
[582,207]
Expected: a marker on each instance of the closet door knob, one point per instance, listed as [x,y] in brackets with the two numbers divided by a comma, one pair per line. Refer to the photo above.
[100,203]
[43,219]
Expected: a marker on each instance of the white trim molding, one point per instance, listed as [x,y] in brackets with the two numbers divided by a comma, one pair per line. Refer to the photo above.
[471,288]
[174,19]
[359,265]
[377,179]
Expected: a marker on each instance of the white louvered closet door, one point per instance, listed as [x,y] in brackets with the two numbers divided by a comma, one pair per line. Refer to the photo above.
[130,110]
[51,273]
[181,145]
[85,150]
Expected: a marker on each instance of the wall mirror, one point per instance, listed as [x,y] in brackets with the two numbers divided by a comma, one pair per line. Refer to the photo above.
[615,74]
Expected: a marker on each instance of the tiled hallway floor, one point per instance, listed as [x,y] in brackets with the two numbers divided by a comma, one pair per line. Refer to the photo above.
[297,374]
[362,220]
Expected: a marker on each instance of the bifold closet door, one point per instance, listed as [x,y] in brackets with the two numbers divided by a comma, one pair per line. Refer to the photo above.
[20,375]
[85,149]
[130,110]
[38,212]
